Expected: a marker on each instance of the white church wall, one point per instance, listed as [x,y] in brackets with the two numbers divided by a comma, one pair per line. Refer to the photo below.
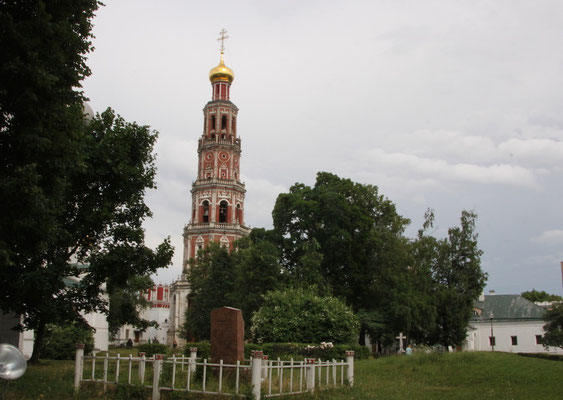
[525,333]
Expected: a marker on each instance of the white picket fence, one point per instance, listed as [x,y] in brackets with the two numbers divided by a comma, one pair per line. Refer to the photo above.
[258,376]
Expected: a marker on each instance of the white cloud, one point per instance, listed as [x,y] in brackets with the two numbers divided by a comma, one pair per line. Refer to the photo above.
[544,151]
[409,164]
[553,236]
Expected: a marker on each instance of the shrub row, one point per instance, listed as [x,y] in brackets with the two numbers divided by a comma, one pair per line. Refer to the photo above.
[285,351]
[152,348]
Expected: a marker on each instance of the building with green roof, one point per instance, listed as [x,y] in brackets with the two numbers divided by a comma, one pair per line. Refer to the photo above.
[506,322]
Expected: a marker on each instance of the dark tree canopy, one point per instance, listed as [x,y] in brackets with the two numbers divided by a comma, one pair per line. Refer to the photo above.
[343,236]
[73,191]
[212,285]
[356,231]
[539,296]
[554,326]
[454,265]
[345,240]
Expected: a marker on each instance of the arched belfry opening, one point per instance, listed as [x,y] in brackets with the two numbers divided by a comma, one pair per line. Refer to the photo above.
[224,122]
[223,210]
[205,215]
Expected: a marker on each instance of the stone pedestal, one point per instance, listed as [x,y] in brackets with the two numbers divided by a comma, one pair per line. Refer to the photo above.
[227,335]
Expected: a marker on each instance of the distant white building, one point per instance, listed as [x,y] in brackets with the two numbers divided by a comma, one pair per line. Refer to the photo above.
[158,310]
[508,323]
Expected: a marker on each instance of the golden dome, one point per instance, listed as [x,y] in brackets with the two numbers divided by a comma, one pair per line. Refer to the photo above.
[221,73]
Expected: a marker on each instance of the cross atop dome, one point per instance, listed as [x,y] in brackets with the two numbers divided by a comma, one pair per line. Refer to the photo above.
[222,73]
[222,38]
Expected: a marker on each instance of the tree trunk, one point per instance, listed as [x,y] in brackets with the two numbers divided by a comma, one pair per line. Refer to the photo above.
[39,334]
[362,339]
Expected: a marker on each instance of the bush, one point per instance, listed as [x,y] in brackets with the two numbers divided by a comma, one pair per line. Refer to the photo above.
[299,315]
[203,349]
[285,351]
[152,348]
[299,351]
[60,341]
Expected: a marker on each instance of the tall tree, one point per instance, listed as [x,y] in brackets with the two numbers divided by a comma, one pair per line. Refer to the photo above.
[458,281]
[257,271]
[73,191]
[358,232]
[212,285]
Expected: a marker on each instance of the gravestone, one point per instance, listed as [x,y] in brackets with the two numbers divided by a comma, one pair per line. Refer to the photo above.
[227,335]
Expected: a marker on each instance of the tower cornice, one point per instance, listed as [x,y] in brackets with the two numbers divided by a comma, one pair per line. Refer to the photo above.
[227,103]
[218,183]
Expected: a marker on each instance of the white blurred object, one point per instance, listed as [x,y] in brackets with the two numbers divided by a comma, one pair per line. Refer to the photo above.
[12,362]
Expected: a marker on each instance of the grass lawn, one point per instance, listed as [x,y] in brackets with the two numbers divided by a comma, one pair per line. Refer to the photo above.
[422,376]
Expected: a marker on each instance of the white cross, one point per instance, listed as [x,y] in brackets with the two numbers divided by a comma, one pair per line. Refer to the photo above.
[401,337]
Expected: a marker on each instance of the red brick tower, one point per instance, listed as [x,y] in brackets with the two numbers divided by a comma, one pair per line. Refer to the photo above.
[217,193]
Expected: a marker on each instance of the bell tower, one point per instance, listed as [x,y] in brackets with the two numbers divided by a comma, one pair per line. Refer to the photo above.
[217,194]
[217,212]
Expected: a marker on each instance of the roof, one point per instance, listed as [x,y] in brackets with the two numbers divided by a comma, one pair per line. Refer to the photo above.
[507,306]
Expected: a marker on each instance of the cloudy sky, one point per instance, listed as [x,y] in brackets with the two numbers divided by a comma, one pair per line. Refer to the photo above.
[441,104]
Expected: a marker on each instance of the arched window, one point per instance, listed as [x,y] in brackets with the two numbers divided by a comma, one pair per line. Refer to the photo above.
[224,122]
[234,125]
[223,211]
[205,216]
[213,122]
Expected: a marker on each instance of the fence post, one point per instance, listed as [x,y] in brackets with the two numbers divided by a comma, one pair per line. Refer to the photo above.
[265,363]
[193,357]
[106,365]
[156,376]
[311,374]
[350,362]
[142,367]
[78,366]
[256,379]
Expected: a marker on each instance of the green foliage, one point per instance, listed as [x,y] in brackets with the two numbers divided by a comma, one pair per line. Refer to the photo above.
[75,188]
[299,351]
[237,279]
[299,315]
[60,340]
[453,265]
[126,302]
[152,348]
[257,271]
[356,232]
[554,326]
[212,282]
[203,349]
[539,296]
[347,239]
